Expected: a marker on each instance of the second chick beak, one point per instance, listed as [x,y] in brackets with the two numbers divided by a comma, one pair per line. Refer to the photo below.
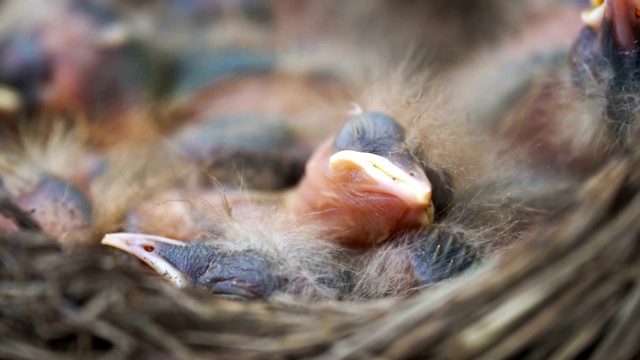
[239,275]
[154,251]
[410,185]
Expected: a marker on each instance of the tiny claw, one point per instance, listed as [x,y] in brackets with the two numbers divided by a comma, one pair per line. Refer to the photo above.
[440,255]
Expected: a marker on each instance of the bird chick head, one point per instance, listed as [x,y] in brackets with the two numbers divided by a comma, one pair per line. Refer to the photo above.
[622,16]
[372,143]
[238,275]
[364,185]
[605,60]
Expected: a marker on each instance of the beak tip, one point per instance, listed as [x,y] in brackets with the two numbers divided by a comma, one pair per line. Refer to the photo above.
[117,240]
[108,239]
[593,17]
[135,244]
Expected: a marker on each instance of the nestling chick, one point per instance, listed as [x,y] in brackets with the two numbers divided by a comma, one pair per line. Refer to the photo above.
[359,188]
[605,64]
[407,193]
[363,185]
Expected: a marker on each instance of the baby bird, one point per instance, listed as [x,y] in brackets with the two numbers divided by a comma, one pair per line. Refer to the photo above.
[51,62]
[363,185]
[400,197]
[374,220]
[360,188]
[247,274]
[52,205]
[605,64]
[46,174]
[548,100]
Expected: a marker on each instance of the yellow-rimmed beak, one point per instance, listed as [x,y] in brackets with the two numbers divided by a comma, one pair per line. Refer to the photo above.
[624,15]
[411,186]
[593,16]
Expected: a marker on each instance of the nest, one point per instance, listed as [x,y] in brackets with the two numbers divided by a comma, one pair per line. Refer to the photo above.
[570,290]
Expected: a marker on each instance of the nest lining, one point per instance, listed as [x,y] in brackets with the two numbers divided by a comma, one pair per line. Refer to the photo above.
[570,290]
